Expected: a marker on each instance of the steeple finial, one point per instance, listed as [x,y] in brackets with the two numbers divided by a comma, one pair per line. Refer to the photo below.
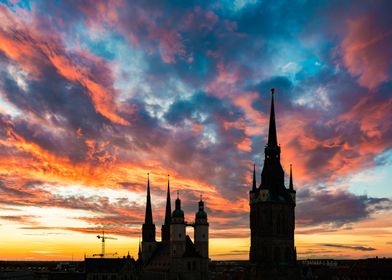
[201,196]
[254,177]
[272,138]
[291,185]
[148,216]
[178,194]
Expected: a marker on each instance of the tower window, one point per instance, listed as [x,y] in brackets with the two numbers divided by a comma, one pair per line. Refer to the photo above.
[179,235]
[204,236]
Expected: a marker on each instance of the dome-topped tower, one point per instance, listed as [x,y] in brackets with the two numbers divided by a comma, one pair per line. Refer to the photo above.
[201,214]
[177,230]
[178,214]
[201,230]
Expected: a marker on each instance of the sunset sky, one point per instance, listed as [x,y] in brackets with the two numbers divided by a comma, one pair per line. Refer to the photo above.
[96,94]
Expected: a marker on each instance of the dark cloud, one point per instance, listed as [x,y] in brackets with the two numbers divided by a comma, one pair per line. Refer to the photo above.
[337,208]
[357,248]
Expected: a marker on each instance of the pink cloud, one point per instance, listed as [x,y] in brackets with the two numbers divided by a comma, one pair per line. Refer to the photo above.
[366,50]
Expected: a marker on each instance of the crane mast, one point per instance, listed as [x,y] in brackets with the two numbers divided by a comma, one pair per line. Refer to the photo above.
[103,238]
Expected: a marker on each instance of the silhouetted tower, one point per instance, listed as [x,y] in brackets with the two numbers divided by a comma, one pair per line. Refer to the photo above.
[166,225]
[148,228]
[201,230]
[272,218]
[177,231]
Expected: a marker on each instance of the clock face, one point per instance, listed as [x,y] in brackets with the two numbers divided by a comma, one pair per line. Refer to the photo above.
[263,196]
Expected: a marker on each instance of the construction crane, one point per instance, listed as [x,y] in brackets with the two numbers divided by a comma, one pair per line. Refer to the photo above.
[103,237]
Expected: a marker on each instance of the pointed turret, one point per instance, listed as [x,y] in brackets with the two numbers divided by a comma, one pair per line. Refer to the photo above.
[148,216]
[139,254]
[148,229]
[166,225]
[272,138]
[291,185]
[254,178]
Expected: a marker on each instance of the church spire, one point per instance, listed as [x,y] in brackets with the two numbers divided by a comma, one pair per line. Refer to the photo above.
[168,203]
[254,178]
[272,176]
[272,138]
[148,228]
[148,216]
[291,185]
[166,224]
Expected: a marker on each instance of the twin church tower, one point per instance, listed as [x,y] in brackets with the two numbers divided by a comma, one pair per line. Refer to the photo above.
[176,256]
[272,221]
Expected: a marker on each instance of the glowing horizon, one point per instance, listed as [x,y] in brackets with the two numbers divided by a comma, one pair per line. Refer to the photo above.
[96,94]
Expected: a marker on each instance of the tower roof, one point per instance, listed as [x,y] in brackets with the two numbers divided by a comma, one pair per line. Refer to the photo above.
[201,214]
[148,217]
[178,213]
[272,137]
[272,176]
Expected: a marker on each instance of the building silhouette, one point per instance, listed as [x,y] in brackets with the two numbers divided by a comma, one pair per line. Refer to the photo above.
[176,256]
[272,217]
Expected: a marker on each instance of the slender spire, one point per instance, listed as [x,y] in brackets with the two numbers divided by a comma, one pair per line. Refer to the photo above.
[291,185]
[148,217]
[168,203]
[254,178]
[139,254]
[272,138]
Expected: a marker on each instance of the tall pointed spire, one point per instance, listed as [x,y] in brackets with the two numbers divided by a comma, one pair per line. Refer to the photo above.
[148,228]
[272,176]
[272,138]
[168,203]
[148,216]
[166,225]
[291,185]
[254,178]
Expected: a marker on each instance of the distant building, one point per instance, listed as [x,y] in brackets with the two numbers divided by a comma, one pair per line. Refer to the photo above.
[272,217]
[176,256]
[110,269]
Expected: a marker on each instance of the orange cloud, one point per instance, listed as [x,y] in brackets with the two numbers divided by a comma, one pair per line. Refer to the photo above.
[366,50]
[35,52]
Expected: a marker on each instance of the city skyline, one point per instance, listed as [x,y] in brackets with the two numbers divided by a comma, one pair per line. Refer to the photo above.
[96,94]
